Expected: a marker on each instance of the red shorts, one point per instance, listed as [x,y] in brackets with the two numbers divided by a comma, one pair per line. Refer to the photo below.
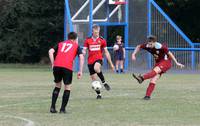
[164,65]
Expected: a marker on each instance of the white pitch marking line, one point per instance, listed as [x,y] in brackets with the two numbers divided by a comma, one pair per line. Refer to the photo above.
[29,122]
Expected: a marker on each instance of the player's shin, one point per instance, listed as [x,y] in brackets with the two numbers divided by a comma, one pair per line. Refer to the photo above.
[55,96]
[150,89]
[65,100]
[100,75]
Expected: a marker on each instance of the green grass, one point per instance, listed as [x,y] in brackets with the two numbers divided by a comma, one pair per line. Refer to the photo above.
[26,93]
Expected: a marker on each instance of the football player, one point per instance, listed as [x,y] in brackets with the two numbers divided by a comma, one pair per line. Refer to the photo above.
[65,53]
[163,58]
[96,45]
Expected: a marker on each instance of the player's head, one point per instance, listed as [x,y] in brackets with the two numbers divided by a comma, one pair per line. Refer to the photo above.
[119,38]
[151,40]
[72,36]
[95,30]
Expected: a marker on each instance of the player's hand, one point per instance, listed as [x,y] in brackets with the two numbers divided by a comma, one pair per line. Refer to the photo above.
[180,65]
[133,57]
[79,75]
[112,67]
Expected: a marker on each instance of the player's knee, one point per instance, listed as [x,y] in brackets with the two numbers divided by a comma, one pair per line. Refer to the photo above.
[58,85]
[67,87]
[97,68]
[157,70]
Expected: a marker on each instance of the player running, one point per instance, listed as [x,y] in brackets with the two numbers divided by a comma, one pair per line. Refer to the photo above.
[65,53]
[162,58]
[96,45]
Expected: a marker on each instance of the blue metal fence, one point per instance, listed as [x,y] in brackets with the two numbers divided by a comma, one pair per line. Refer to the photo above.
[157,23]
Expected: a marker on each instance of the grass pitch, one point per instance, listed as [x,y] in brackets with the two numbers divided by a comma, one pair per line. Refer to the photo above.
[25,96]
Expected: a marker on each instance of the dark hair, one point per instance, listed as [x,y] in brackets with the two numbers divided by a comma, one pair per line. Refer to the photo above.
[151,38]
[72,35]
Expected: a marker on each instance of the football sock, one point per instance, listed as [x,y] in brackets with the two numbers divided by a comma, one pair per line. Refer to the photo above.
[150,89]
[98,92]
[100,75]
[55,96]
[65,99]
[149,75]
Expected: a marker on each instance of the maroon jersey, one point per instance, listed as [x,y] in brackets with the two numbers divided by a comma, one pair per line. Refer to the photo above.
[159,52]
[95,49]
[66,52]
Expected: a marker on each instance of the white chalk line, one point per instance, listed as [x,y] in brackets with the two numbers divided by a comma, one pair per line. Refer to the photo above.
[28,122]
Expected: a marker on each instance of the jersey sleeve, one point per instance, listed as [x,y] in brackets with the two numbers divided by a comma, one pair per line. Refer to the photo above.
[166,50]
[104,44]
[86,44]
[79,51]
[55,48]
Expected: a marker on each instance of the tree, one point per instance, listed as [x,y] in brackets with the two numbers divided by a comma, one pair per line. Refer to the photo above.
[29,28]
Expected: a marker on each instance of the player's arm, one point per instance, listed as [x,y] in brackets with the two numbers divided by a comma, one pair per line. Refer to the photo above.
[137,49]
[124,51]
[84,50]
[171,55]
[81,62]
[107,54]
[51,56]
[85,47]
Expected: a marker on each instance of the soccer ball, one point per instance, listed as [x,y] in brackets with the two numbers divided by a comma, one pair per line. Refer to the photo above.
[96,85]
[116,47]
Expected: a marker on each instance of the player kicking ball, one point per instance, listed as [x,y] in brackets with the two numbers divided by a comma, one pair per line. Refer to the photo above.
[163,63]
[65,53]
[96,45]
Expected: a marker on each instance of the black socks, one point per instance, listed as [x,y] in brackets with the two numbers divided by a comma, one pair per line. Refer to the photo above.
[55,96]
[100,75]
[65,99]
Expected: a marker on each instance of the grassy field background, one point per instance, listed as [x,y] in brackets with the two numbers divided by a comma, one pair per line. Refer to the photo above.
[25,96]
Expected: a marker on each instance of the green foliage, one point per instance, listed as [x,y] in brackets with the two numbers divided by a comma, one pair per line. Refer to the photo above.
[28,28]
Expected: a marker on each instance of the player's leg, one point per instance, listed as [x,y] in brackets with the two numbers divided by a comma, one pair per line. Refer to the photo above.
[121,66]
[55,94]
[56,90]
[67,79]
[97,68]
[117,66]
[156,70]
[93,78]
[151,87]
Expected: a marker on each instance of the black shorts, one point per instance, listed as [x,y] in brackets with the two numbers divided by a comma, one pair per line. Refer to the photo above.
[91,66]
[119,56]
[64,74]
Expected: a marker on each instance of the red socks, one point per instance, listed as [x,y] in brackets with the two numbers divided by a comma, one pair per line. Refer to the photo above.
[149,75]
[150,89]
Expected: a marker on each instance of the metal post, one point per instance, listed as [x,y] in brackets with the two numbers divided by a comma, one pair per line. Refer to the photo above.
[193,58]
[90,18]
[149,32]
[126,33]
[68,15]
